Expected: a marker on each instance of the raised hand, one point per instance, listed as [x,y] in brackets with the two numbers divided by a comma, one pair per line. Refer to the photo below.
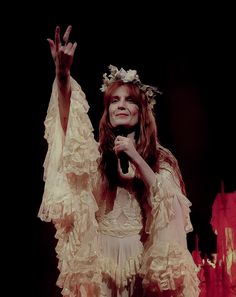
[62,54]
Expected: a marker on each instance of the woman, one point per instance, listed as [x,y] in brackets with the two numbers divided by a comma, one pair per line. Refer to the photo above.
[119,206]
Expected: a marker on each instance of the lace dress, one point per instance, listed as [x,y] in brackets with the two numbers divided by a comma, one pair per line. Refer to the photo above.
[120,245]
[100,253]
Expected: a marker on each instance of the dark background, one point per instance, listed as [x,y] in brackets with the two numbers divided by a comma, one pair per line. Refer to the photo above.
[187,52]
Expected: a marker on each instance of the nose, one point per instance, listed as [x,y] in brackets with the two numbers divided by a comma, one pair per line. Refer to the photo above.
[121,104]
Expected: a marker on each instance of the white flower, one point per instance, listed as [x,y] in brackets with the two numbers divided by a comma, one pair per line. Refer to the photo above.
[103,88]
[129,76]
[149,92]
[151,103]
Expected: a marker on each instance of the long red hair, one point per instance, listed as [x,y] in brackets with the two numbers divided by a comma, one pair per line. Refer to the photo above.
[147,143]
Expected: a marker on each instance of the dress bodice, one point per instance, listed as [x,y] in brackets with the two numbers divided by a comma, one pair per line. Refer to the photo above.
[124,219]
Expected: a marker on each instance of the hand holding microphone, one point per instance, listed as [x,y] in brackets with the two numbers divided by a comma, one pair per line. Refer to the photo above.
[124,160]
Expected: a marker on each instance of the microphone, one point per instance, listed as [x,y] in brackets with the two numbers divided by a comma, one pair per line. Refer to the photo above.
[124,161]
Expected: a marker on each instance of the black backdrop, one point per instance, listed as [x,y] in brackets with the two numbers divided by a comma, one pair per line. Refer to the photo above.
[187,52]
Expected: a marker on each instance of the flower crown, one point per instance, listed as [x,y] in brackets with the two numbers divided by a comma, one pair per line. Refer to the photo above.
[129,76]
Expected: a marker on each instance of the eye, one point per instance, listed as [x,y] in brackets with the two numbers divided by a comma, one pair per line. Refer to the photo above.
[130,99]
[114,100]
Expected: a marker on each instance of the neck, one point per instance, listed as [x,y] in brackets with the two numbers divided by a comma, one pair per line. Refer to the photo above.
[124,131]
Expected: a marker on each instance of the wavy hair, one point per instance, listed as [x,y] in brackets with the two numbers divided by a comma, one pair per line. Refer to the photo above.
[146,136]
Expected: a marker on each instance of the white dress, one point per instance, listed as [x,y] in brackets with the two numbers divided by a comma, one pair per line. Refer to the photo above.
[120,245]
[101,254]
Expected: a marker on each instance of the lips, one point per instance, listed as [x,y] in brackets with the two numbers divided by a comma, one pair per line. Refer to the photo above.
[121,114]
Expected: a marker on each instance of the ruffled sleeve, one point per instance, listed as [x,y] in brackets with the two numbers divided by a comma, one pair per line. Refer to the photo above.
[164,193]
[70,167]
[167,263]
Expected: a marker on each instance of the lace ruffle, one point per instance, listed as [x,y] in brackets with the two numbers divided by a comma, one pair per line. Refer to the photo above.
[80,153]
[80,285]
[121,275]
[71,161]
[162,196]
[77,251]
[69,167]
[168,266]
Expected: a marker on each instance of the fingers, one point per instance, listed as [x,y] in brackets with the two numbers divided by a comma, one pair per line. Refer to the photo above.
[120,140]
[121,143]
[57,37]
[57,48]
[119,137]
[67,34]
[73,48]
[51,42]
[65,39]
[69,49]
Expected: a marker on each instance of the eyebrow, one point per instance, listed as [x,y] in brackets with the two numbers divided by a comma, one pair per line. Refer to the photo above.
[129,96]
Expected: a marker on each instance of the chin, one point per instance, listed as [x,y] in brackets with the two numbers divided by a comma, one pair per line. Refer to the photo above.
[123,123]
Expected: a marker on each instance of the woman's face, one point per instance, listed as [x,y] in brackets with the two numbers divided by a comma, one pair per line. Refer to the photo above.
[123,111]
